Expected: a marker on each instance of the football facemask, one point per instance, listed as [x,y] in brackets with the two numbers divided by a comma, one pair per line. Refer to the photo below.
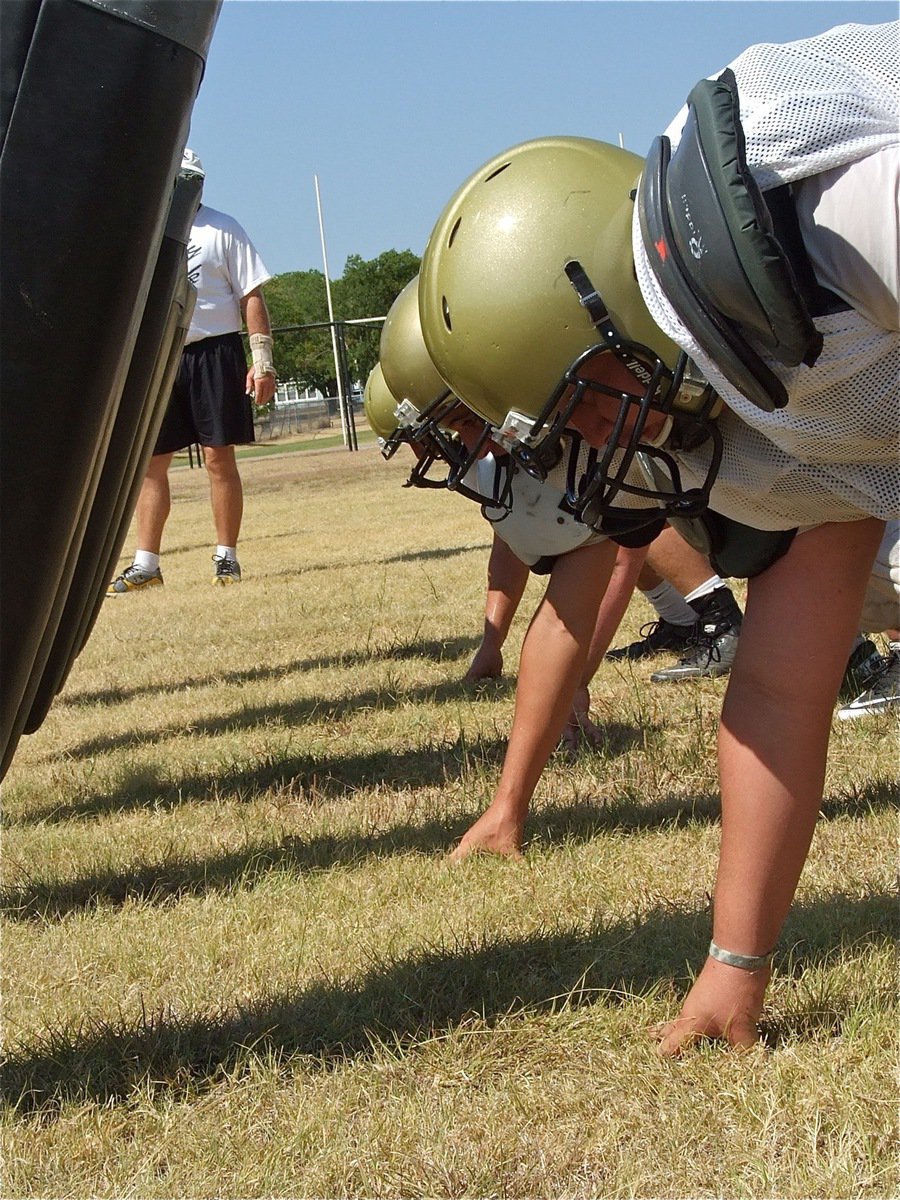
[684,399]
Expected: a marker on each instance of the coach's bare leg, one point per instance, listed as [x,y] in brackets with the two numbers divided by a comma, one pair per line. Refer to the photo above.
[154,503]
[226,492]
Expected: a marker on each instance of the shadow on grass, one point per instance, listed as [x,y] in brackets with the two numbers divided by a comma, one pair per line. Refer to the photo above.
[176,877]
[310,778]
[293,712]
[410,556]
[436,651]
[401,1002]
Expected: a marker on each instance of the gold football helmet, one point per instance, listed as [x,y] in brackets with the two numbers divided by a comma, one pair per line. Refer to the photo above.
[527,280]
[380,405]
[424,403]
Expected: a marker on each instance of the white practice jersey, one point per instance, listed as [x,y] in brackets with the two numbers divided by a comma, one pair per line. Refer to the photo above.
[224,267]
[881,606]
[809,107]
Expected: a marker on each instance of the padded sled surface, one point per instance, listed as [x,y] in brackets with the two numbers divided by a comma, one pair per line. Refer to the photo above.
[145,398]
[92,146]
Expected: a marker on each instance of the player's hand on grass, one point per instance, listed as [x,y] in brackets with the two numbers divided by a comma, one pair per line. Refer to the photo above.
[724,1003]
[487,664]
[495,832]
[580,730]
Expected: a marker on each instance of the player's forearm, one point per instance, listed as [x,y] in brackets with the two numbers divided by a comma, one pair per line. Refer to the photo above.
[776,722]
[506,580]
[499,610]
[613,606]
[771,797]
[553,657]
[549,670]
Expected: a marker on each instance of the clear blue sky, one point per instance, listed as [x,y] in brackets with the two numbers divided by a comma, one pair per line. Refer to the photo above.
[393,103]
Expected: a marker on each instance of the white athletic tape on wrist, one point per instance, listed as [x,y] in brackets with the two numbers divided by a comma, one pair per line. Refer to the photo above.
[261,349]
[745,962]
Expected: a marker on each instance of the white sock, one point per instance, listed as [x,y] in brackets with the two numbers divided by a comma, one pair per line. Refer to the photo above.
[146,560]
[670,605]
[227,552]
[704,589]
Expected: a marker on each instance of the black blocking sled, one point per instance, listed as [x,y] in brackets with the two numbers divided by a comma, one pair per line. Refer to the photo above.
[95,104]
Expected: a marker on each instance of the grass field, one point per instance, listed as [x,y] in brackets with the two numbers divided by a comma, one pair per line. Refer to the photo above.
[237,964]
[320,440]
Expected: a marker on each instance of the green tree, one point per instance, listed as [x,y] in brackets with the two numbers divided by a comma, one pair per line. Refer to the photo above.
[368,288]
[298,298]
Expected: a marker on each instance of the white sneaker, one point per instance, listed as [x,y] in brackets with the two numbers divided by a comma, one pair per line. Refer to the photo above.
[134,579]
[226,570]
[883,693]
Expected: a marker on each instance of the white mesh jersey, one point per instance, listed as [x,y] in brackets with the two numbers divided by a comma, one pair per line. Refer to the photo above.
[881,606]
[832,453]
[536,526]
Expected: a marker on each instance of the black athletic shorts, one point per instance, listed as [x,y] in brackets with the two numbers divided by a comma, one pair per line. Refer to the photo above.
[209,402]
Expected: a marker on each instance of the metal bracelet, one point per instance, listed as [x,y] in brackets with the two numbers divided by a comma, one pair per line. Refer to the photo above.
[745,962]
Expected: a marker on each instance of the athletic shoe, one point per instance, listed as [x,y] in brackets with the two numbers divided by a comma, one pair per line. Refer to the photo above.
[133,579]
[863,663]
[710,658]
[715,640]
[227,570]
[883,692]
[656,638]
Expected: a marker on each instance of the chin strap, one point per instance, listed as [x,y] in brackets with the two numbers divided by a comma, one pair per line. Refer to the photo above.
[591,300]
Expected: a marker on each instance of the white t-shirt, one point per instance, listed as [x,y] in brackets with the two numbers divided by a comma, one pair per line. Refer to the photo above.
[223,266]
[848,217]
[831,454]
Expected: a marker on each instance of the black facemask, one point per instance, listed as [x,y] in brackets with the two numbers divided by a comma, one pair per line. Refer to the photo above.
[656,389]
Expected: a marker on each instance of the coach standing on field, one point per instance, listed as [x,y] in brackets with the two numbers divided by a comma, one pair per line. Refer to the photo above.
[210,402]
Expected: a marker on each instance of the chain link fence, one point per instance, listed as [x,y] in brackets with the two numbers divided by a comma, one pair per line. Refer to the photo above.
[322,368]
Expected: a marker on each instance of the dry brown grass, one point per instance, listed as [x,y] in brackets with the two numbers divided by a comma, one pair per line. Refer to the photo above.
[237,964]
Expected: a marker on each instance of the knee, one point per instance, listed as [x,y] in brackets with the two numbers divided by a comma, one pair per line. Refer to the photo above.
[158,467]
[220,462]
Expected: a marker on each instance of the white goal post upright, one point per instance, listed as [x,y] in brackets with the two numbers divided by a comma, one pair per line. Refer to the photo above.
[342,403]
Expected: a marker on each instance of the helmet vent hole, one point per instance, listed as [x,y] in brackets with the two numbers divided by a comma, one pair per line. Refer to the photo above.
[453,232]
[494,174]
[445,313]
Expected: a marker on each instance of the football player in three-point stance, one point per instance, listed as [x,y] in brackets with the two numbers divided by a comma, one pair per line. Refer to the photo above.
[721,323]
[590,577]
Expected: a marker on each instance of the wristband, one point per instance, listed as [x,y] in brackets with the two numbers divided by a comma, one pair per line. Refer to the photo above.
[261,349]
[744,962]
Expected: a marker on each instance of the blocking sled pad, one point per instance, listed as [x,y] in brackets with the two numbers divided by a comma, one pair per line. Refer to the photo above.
[95,103]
